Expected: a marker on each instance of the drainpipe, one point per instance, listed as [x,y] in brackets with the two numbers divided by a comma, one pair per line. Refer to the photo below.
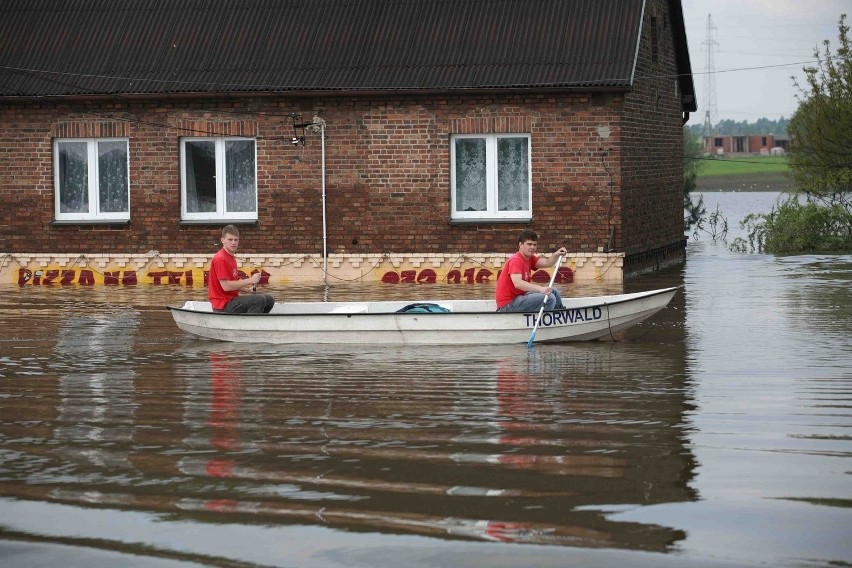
[324,228]
[319,124]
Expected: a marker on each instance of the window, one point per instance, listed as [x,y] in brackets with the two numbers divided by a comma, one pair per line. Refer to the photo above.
[92,181]
[490,177]
[218,179]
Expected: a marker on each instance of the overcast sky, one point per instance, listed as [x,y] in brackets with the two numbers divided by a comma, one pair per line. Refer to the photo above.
[761,44]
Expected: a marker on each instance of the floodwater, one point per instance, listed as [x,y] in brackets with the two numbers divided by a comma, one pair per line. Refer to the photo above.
[715,434]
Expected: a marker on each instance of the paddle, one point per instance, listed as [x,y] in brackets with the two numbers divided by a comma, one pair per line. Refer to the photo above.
[543,303]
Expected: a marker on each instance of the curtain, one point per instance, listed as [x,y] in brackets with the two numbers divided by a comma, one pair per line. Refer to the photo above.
[73,177]
[513,174]
[471,177]
[112,177]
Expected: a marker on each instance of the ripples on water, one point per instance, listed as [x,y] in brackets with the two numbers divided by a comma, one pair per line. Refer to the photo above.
[716,432]
[106,404]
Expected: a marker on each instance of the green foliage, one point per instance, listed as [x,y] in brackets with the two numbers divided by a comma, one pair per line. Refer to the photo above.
[692,164]
[794,226]
[755,224]
[817,217]
[821,153]
[715,225]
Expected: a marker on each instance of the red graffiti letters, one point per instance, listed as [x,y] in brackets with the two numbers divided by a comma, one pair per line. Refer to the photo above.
[429,276]
[471,276]
[426,276]
[87,277]
[468,276]
[55,276]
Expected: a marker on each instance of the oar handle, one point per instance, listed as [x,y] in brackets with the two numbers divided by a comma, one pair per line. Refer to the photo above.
[544,302]
[553,276]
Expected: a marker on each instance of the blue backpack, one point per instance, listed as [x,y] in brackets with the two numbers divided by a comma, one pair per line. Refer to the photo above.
[422,309]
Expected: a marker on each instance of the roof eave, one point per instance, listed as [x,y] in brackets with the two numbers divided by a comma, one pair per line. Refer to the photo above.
[314,92]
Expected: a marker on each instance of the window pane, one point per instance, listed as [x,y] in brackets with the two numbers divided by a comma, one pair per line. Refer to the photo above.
[112,176]
[471,178]
[240,194]
[513,174]
[73,177]
[200,176]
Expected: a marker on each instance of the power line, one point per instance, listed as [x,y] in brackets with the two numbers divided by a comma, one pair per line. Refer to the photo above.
[710,85]
[278,88]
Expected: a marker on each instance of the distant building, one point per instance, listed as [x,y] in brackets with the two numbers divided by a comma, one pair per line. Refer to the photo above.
[367,139]
[719,145]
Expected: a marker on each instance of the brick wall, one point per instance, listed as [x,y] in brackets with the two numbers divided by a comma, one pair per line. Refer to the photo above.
[651,165]
[387,172]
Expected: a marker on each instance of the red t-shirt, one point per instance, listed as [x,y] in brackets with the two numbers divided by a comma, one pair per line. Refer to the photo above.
[517,264]
[222,267]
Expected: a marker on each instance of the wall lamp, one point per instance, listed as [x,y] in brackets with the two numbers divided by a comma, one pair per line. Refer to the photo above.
[299,129]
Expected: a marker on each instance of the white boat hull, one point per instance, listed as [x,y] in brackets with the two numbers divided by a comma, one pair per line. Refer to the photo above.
[469,322]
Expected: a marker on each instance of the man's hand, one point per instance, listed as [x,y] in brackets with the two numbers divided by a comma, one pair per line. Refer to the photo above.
[254,279]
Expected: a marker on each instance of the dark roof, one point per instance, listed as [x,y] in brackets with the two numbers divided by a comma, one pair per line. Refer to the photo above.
[124,47]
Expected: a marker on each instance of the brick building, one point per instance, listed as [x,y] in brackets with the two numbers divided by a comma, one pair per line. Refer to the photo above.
[722,145]
[341,135]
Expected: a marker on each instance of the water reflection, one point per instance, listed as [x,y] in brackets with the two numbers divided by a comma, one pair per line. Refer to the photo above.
[371,445]
[95,413]
[738,393]
[509,445]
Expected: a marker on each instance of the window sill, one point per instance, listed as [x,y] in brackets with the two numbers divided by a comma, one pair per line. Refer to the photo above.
[217,222]
[68,222]
[489,221]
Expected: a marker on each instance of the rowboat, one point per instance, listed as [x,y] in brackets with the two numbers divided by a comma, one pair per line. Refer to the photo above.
[438,322]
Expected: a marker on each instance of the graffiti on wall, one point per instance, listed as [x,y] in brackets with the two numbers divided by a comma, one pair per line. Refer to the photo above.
[467,276]
[89,277]
[164,277]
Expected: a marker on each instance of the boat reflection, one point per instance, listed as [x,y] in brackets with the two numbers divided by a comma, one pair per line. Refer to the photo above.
[517,450]
[493,444]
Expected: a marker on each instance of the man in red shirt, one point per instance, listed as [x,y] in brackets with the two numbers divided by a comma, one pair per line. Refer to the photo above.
[515,291]
[224,282]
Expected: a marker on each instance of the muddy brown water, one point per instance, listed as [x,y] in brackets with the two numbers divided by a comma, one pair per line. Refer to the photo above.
[715,434]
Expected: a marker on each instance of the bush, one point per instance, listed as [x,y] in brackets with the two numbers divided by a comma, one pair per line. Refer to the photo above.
[819,217]
[793,227]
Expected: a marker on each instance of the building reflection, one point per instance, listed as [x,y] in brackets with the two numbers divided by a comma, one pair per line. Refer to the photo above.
[535,447]
[94,425]
[493,444]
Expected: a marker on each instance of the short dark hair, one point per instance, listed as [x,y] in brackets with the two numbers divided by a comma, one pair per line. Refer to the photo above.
[230,230]
[527,235]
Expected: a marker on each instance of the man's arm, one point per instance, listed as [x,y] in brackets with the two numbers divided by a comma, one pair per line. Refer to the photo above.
[522,284]
[231,285]
[551,260]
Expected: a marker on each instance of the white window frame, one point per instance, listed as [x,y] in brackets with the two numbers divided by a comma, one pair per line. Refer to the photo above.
[94,213]
[221,213]
[491,213]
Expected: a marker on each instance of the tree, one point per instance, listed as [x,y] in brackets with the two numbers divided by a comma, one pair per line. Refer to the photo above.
[817,217]
[693,148]
[821,128]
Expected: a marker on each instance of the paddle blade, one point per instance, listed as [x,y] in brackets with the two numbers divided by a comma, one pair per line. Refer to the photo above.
[531,341]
